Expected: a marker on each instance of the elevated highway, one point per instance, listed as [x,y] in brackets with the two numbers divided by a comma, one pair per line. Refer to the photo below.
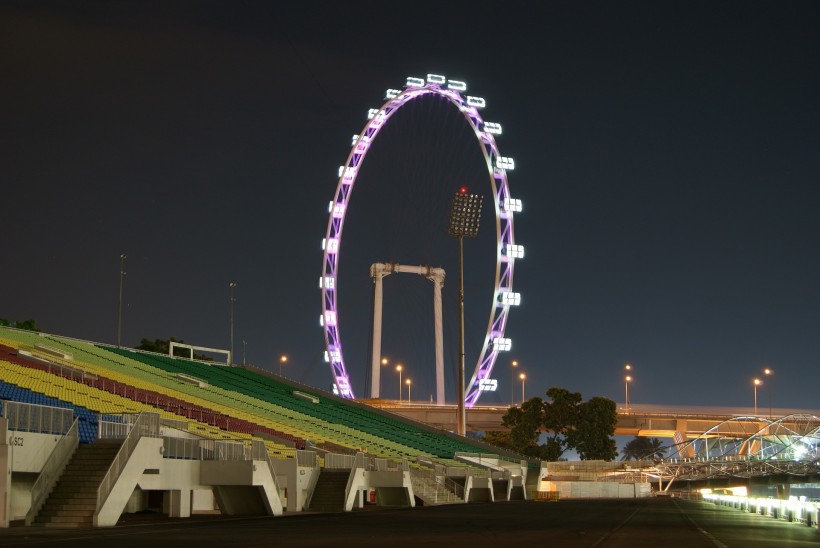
[653,420]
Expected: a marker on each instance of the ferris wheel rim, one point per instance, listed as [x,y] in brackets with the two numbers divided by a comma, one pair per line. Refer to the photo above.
[497,167]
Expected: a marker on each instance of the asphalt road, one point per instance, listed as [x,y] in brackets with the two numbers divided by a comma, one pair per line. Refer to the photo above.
[657,522]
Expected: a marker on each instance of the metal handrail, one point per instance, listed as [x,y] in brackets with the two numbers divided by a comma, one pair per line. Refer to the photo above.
[52,470]
[30,417]
[146,425]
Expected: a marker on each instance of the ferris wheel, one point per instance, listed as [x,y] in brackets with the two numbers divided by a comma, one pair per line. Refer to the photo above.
[507,251]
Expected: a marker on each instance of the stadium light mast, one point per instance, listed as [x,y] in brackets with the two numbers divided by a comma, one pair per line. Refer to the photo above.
[232,285]
[465,211]
[119,308]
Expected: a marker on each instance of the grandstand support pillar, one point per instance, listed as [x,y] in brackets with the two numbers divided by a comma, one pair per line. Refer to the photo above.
[5,474]
[180,506]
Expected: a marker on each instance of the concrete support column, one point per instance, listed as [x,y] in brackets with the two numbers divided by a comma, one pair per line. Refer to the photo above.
[375,369]
[5,474]
[180,503]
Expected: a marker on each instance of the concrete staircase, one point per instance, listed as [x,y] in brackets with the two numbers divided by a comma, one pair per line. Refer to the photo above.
[73,501]
[432,492]
[329,493]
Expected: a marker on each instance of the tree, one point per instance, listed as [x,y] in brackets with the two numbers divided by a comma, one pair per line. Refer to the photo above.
[641,448]
[592,437]
[28,325]
[524,423]
[499,439]
[568,422]
[560,419]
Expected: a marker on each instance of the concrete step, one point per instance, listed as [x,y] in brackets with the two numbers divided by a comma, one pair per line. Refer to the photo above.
[65,512]
[67,519]
[70,505]
[82,525]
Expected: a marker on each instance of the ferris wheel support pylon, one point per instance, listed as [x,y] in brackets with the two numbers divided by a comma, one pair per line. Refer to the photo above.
[436,275]
[507,251]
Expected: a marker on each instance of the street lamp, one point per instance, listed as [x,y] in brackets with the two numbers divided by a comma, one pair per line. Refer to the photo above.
[282,360]
[465,212]
[119,310]
[232,285]
[385,361]
[408,382]
[399,368]
[627,380]
[769,372]
[523,377]
[756,382]
[513,365]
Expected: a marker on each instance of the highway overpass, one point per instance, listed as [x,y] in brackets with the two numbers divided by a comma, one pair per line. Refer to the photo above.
[655,420]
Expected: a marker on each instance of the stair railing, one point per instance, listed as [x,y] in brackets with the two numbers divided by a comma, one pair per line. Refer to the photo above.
[52,470]
[146,425]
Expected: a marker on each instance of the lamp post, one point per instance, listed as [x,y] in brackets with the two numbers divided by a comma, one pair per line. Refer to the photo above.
[627,380]
[232,285]
[769,372]
[465,212]
[399,368]
[513,365]
[119,309]
[756,382]
[282,360]
[523,377]
[409,383]
[385,361]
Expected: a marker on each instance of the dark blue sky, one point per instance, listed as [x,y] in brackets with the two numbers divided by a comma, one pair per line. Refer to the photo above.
[666,155]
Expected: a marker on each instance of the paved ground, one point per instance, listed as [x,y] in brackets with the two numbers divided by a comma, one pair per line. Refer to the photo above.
[658,523]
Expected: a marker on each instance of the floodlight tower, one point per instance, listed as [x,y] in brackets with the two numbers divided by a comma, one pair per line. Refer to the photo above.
[119,309]
[465,212]
[232,285]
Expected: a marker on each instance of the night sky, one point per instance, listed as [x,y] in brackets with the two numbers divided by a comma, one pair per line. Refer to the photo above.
[667,156]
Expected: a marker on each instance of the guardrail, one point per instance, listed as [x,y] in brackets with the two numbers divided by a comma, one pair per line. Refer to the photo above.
[29,417]
[112,430]
[336,461]
[52,470]
[146,425]
[306,458]
[793,509]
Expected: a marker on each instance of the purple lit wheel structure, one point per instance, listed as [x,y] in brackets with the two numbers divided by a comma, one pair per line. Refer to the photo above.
[505,206]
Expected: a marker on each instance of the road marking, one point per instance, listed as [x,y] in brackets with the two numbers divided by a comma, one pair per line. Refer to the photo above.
[615,529]
[703,531]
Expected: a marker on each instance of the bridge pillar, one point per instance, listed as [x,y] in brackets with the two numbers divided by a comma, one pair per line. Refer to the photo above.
[782,491]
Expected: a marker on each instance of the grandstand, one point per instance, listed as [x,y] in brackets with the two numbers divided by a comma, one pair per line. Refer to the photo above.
[94,431]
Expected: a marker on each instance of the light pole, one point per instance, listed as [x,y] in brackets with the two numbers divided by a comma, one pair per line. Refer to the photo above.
[282,360]
[465,212]
[756,382]
[409,383]
[119,309]
[232,285]
[523,377]
[769,372]
[627,380]
[513,365]
[399,368]
[385,361]
[244,350]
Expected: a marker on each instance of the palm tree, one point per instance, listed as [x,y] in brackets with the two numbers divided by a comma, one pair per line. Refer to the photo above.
[642,448]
